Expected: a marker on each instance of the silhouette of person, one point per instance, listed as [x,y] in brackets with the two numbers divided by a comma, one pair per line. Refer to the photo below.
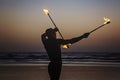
[53,48]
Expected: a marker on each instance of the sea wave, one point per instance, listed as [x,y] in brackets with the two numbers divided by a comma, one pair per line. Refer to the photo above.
[67,57]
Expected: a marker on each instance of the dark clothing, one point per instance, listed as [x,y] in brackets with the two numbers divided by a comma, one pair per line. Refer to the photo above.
[53,48]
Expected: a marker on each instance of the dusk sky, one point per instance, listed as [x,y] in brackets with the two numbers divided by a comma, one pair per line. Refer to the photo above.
[23,21]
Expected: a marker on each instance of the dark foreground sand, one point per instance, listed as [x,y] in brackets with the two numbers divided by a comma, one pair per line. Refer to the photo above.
[69,72]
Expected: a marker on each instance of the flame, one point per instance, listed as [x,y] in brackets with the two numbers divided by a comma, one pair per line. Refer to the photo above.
[107,21]
[46,11]
[66,46]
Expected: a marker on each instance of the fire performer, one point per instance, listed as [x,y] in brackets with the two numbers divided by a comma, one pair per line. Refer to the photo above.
[53,48]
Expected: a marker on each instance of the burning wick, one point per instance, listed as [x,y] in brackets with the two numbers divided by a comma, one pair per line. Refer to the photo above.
[107,21]
[46,11]
[66,46]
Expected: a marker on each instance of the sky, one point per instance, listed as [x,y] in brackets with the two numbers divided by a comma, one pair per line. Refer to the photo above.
[23,21]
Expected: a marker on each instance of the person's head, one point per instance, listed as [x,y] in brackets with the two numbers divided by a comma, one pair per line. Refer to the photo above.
[51,33]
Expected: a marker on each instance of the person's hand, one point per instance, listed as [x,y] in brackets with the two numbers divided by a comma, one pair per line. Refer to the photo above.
[85,35]
[56,29]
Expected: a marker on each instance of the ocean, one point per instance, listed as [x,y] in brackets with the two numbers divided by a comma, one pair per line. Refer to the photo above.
[76,66]
[67,57]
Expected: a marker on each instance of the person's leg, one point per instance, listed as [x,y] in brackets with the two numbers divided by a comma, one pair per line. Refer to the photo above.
[58,70]
[54,70]
[50,71]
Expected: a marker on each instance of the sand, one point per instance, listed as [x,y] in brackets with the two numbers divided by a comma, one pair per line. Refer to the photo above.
[69,72]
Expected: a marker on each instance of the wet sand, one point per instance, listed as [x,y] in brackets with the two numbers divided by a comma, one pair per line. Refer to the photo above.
[69,72]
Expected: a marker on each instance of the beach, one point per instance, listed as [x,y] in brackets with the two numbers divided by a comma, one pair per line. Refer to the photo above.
[86,71]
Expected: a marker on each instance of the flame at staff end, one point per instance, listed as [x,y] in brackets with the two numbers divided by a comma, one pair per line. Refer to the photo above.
[107,21]
[46,11]
[66,46]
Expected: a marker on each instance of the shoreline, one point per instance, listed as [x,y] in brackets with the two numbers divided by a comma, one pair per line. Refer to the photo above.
[107,64]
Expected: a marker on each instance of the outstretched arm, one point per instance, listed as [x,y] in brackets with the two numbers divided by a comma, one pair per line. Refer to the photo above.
[73,40]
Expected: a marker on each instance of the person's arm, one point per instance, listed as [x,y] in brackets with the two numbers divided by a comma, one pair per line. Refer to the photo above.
[73,40]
